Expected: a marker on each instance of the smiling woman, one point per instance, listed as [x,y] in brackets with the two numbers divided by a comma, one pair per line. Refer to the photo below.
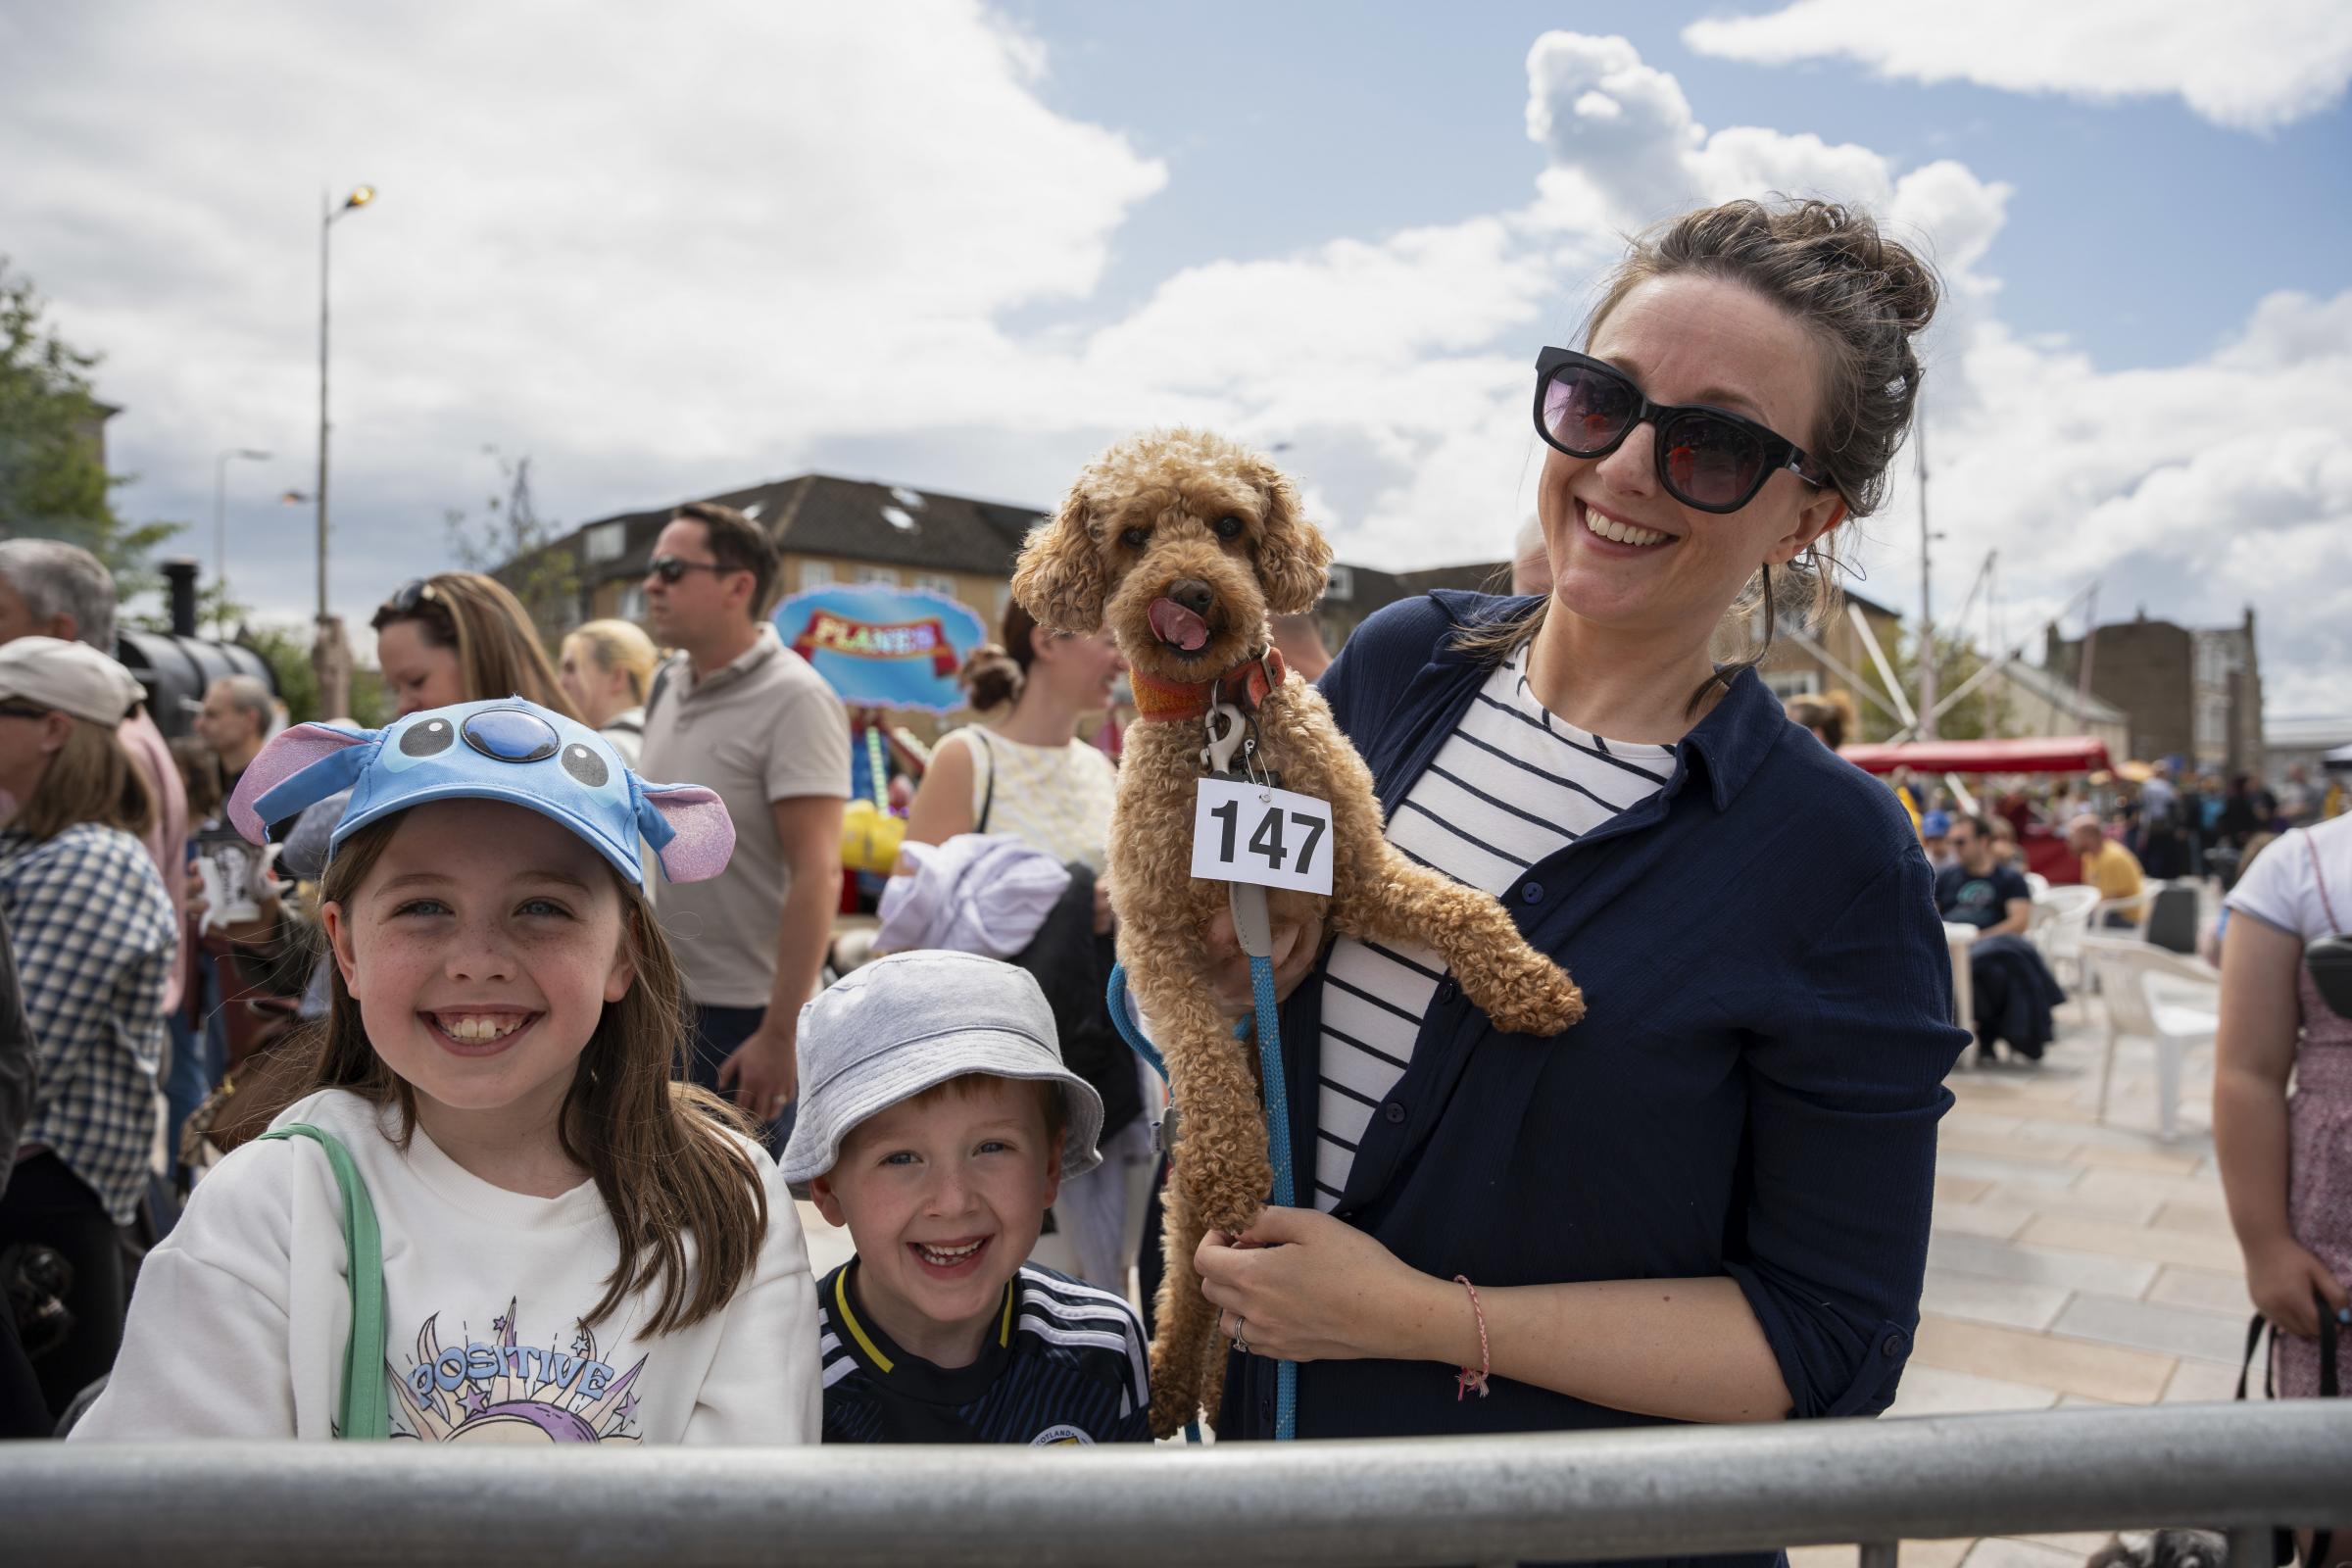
[1708,1201]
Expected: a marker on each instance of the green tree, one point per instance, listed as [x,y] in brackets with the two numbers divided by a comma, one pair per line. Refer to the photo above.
[53,478]
[511,542]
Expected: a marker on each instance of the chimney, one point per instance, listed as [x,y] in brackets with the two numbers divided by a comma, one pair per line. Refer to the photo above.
[179,580]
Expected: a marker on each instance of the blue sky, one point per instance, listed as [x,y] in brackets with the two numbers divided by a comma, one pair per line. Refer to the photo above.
[962,246]
[2138,230]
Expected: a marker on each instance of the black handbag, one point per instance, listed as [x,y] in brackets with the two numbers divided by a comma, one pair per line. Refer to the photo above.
[2282,1541]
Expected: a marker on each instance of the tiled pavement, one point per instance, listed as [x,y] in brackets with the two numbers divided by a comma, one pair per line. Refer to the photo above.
[2073,1263]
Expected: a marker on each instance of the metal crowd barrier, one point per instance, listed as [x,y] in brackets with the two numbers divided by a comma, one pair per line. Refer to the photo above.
[1657,1492]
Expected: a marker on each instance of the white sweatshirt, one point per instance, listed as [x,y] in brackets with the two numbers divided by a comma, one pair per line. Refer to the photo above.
[241,1315]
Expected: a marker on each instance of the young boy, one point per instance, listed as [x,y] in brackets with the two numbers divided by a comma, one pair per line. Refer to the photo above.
[937,1122]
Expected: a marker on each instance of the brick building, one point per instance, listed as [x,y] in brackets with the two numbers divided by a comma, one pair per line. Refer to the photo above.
[2191,693]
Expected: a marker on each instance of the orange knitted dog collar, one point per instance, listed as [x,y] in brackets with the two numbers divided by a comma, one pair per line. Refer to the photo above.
[1246,686]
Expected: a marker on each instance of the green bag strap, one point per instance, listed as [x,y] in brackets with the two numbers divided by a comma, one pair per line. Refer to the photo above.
[365,1411]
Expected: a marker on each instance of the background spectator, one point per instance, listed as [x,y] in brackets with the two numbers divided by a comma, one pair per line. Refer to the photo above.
[607,668]
[236,719]
[1299,640]
[1976,888]
[94,942]
[460,637]
[1021,771]
[2286,1160]
[2110,868]
[737,713]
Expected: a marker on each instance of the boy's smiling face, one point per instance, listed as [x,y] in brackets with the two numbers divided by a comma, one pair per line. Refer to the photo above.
[944,1195]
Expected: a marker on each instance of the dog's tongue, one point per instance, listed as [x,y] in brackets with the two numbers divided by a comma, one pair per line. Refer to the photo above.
[1172,623]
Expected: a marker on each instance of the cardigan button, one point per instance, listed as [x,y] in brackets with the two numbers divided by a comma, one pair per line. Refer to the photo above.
[1892,1346]
[1448,992]
[1532,893]
[1394,1111]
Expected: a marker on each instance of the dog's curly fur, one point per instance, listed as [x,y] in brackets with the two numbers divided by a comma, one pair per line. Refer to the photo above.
[1154,511]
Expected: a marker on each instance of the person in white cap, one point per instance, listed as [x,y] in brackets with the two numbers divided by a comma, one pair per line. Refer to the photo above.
[937,1122]
[95,939]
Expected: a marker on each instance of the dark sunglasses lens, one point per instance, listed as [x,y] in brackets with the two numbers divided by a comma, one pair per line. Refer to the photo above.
[407,596]
[1586,409]
[669,569]
[1710,462]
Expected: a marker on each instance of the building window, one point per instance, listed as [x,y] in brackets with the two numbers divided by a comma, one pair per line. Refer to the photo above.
[937,582]
[632,601]
[606,542]
[1788,683]
[816,574]
[1342,586]
[878,576]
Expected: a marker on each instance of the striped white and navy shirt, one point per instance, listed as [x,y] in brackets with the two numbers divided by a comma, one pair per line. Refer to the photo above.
[1511,785]
[1064,1364]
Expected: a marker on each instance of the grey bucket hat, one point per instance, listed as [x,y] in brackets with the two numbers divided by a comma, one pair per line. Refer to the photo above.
[891,1029]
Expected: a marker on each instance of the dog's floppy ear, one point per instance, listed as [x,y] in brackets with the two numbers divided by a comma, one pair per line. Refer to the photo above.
[1060,578]
[1293,555]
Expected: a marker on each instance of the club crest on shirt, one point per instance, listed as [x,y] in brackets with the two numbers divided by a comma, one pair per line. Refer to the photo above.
[1060,1436]
[497,1391]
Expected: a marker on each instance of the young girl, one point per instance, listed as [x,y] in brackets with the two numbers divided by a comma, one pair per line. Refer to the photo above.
[575,1249]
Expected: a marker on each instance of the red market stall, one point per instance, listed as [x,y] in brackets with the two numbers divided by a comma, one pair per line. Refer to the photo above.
[2044,849]
[2062,754]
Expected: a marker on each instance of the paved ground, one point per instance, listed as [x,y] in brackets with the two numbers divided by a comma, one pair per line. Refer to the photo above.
[2073,1261]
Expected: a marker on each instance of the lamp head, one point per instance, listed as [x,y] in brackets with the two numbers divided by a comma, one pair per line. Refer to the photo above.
[360,196]
[248,452]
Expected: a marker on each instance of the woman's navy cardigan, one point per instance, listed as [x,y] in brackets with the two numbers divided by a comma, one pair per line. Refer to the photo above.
[1753,1090]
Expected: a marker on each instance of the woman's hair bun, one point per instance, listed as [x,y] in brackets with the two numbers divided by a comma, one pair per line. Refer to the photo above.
[990,677]
[1903,284]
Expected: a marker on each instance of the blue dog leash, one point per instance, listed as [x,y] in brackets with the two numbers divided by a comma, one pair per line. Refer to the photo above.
[1254,930]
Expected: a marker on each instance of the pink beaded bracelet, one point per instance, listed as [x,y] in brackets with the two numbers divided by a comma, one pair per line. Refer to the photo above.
[1467,1380]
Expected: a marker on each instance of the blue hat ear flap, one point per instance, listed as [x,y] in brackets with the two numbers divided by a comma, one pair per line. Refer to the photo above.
[299,767]
[688,827]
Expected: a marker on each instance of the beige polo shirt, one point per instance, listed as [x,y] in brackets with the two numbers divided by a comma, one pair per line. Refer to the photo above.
[766,728]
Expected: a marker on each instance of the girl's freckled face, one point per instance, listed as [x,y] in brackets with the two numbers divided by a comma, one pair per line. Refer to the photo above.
[481,949]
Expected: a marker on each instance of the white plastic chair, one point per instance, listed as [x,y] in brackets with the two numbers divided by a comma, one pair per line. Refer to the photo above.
[2037,885]
[2126,969]
[2062,916]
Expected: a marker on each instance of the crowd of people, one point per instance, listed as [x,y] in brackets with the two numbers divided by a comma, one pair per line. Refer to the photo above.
[531,970]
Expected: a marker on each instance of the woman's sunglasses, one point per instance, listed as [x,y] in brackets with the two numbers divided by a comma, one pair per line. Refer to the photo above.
[409,596]
[669,569]
[1709,459]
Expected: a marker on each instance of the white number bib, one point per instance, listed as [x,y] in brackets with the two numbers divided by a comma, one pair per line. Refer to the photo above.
[1244,832]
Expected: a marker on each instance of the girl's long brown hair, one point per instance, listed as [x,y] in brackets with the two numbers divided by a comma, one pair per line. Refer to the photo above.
[665,1155]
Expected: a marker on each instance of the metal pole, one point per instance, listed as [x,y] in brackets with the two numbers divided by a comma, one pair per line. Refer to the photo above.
[219,541]
[1926,608]
[326,222]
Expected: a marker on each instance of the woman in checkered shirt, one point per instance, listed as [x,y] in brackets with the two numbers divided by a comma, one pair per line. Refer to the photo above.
[95,939]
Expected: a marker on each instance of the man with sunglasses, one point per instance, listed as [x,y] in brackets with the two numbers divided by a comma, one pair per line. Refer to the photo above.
[734,710]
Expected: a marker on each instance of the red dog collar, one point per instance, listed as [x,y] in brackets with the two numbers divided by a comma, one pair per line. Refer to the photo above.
[1245,687]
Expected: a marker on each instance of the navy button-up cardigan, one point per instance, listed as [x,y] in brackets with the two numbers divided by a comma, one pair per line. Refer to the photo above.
[1753,1092]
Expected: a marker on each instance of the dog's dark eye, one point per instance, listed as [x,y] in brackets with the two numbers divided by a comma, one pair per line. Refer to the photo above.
[1135,538]
[1229,527]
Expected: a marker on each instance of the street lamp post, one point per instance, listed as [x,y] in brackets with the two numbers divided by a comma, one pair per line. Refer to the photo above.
[221,532]
[328,659]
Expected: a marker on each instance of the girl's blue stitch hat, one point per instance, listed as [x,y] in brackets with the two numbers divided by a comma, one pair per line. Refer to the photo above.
[505,749]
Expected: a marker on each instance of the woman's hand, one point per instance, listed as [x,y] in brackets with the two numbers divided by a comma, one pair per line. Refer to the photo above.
[2282,1277]
[1296,946]
[1300,1286]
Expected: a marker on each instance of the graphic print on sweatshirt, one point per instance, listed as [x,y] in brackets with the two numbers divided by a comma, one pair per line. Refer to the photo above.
[501,1390]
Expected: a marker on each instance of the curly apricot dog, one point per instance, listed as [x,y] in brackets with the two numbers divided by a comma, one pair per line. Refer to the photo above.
[1183,542]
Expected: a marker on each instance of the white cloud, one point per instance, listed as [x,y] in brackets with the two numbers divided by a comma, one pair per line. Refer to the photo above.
[663,264]
[2255,66]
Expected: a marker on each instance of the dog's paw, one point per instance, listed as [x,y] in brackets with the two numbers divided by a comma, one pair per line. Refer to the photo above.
[1528,995]
[1172,1409]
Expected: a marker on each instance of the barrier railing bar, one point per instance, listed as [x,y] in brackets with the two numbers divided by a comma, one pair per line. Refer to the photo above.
[1574,1495]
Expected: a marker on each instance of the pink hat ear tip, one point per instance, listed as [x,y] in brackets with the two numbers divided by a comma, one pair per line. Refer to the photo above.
[703,834]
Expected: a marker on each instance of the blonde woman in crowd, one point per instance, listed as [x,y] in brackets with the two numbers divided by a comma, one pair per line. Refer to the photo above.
[607,668]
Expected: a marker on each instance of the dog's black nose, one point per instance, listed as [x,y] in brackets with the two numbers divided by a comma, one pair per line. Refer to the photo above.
[1193,594]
